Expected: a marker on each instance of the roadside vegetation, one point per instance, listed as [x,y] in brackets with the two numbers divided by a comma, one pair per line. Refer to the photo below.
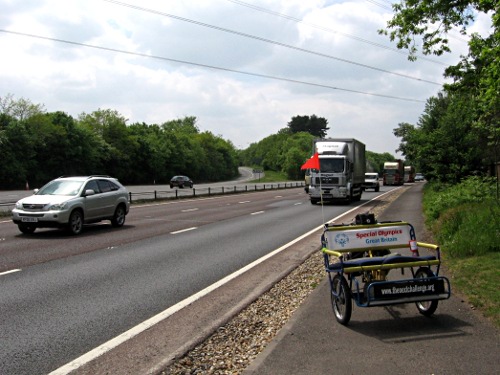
[465,220]
[38,146]
[271,176]
[456,143]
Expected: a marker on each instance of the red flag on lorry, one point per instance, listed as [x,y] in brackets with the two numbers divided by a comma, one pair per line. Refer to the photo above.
[312,163]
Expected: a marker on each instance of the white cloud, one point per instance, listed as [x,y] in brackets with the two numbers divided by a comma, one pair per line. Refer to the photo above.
[241,108]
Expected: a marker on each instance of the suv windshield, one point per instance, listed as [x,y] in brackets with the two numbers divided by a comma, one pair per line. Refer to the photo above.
[61,187]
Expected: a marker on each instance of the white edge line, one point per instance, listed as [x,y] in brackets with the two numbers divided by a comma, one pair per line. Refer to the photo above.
[10,271]
[120,339]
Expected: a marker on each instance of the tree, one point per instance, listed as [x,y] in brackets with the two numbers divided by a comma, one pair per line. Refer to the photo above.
[375,161]
[414,18]
[296,149]
[20,109]
[118,148]
[478,75]
[475,78]
[17,154]
[187,125]
[314,125]
[443,145]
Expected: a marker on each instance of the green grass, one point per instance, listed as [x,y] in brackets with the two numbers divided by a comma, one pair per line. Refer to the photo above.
[465,221]
[271,176]
[478,278]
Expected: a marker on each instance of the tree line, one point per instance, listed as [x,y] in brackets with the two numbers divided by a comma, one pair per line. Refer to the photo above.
[37,147]
[291,146]
[458,135]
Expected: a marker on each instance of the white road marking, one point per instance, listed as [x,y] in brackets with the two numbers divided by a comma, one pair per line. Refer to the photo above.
[120,339]
[190,210]
[257,213]
[184,230]
[11,271]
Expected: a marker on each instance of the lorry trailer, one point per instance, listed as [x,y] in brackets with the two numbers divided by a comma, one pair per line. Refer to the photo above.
[394,173]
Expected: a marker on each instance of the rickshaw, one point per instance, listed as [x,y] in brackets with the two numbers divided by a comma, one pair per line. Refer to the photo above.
[360,256]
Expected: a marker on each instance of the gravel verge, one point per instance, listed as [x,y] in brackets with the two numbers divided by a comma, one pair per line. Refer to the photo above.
[231,348]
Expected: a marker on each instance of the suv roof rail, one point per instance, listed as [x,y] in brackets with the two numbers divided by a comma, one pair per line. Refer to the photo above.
[89,176]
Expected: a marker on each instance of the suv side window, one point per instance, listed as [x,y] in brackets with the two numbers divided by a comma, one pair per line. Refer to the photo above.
[92,185]
[114,187]
[105,186]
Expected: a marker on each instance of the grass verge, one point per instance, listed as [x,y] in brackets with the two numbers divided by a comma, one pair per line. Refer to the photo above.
[465,221]
[478,278]
[271,176]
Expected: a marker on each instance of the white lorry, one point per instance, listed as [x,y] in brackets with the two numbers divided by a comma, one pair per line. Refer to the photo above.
[342,170]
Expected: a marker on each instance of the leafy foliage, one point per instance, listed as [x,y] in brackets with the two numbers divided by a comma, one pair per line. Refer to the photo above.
[39,146]
[375,162]
[286,152]
[459,133]
[414,18]
[444,144]
[282,152]
[465,217]
[314,125]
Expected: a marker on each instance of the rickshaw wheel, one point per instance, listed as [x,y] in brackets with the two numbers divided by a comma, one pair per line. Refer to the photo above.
[341,299]
[426,308]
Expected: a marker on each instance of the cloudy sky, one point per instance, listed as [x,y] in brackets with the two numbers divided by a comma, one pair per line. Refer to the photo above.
[243,68]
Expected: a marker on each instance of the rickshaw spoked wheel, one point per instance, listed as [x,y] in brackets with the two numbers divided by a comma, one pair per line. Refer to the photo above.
[341,299]
[426,308]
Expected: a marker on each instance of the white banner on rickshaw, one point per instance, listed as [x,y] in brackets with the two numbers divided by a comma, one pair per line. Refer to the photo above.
[347,239]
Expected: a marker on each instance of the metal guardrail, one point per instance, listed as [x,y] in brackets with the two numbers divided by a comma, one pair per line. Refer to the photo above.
[192,193]
[209,191]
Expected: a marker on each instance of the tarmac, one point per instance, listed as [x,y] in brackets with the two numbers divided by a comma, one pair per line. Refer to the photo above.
[383,340]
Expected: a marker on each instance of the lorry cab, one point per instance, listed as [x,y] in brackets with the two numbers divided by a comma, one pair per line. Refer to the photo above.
[342,169]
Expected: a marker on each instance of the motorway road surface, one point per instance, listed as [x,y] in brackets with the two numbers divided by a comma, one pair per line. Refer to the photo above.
[9,197]
[62,296]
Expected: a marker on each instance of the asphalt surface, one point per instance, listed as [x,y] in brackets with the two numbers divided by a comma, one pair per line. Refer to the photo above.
[384,340]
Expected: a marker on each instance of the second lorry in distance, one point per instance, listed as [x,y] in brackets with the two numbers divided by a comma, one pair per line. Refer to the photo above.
[394,172]
[342,170]
[409,173]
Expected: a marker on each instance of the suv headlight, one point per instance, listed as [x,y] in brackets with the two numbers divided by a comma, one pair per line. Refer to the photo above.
[58,206]
[19,205]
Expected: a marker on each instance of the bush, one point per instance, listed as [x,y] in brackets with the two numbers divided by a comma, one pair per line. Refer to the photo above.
[470,230]
[465,218]
[440,197]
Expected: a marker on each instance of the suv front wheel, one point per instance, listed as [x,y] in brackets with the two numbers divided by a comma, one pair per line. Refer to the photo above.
[26,228]
[75,224]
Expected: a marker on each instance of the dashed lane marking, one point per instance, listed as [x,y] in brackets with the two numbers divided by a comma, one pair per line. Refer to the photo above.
[184,230]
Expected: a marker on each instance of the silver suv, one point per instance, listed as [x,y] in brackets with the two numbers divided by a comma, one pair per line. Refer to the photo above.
[71,202]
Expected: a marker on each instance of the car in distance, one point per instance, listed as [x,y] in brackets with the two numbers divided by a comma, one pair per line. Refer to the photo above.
[419,177]
[181,181]
[71,202]
[372,181]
